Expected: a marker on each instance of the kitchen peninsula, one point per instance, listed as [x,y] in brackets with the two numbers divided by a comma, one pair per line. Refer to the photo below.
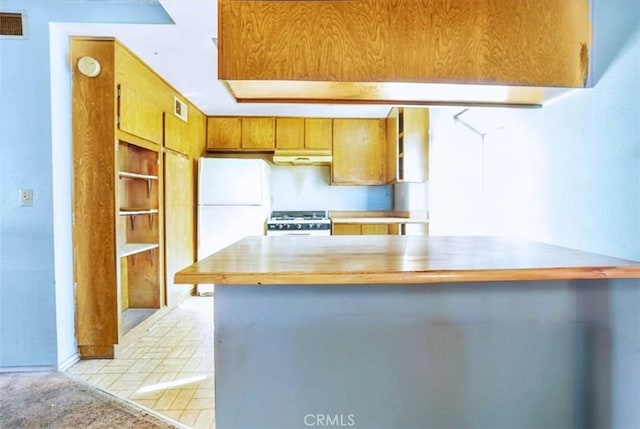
[407,331]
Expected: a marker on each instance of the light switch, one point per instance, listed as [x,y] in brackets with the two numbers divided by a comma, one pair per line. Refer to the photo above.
[26,197]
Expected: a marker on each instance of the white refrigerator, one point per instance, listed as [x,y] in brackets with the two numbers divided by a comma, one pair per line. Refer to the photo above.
[234,201]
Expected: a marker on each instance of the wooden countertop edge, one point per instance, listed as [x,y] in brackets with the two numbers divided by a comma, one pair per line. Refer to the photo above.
[436,276]
[376,220]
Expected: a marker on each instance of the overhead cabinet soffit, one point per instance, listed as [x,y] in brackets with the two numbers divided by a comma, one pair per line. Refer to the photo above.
[484,52]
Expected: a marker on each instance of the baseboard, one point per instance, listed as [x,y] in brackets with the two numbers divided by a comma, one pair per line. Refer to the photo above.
[44,368]
[67,363]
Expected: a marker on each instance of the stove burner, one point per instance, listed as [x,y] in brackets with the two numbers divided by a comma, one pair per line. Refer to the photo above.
[299,215]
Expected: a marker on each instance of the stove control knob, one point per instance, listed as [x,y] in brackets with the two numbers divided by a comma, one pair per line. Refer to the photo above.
[288,226]
[299,226]
[280,226]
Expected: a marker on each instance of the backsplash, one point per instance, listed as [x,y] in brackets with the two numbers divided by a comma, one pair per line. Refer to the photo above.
[307,188]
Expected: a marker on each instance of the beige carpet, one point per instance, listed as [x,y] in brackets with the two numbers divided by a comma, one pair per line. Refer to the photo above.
[57,401]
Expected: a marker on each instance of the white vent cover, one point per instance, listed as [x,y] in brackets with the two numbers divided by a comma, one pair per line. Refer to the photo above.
[180,109]
[12,25]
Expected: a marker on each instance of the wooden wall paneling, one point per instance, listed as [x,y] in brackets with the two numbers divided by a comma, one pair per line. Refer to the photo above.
[179,224]
[94,206]
[318,133]
[290,133]
[526,42]
[224,132]
[258,133]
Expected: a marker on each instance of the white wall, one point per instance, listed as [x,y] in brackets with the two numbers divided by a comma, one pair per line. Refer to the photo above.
[36,290]
[567,174]
[307,188]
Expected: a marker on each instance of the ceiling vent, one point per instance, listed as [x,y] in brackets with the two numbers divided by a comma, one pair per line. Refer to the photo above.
[12,25]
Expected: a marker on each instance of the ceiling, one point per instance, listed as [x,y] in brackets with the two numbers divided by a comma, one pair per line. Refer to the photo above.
[185,55]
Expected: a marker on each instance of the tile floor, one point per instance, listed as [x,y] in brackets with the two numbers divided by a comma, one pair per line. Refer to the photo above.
[169,369]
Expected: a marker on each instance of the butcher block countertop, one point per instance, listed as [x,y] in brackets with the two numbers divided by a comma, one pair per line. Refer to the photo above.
[377,217]
[391,259]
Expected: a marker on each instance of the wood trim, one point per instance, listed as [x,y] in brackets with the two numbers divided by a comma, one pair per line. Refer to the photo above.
[94,211]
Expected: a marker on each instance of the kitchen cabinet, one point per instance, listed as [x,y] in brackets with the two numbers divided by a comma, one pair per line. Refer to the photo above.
[179,222]
[138,116]
[258,133]
[364,229]
[177,134]
[318,133]
[290,133]
[224,133]
[359,152]
[408,144]
[304,133]
[120,258]
[237,133]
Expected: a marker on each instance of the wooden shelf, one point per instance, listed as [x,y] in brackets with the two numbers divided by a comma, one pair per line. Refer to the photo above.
[136,212]
[129,249]
[129,175]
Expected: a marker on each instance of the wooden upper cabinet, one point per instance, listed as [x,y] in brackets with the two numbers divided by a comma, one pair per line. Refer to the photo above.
[408,144]
[415,159]
[359,152]
[258,133]
[138,115]
[224,133]
[393,136]
[177,134]
[318,133]
[304,133]
[290,133]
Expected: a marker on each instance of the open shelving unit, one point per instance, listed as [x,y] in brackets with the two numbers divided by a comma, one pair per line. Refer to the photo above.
[139,284]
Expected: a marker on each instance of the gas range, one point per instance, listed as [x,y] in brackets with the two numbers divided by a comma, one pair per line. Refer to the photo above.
[314,222]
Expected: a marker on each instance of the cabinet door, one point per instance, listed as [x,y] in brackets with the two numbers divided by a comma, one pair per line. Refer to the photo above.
[179,222]
[346,229]
[176,134]
[318,133]
[224,133]
[289,133]
[138,116]
[416,145]
[374,229]
[359,152]
[392,145]
[258,133]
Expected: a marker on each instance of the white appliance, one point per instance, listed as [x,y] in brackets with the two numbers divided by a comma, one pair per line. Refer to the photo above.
[234,201]
[299,223]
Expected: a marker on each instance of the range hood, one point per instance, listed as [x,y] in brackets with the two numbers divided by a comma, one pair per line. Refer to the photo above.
[301,157]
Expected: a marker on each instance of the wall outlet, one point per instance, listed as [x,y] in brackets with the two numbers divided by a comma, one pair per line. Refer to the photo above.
[26,197]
